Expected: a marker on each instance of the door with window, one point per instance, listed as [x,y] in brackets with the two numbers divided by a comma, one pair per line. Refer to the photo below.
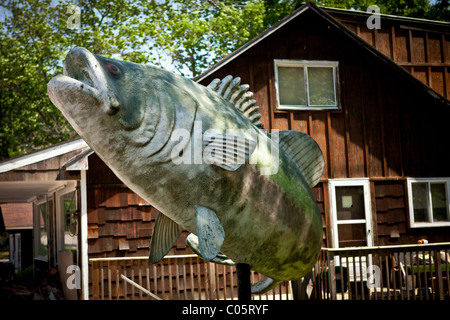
[351,218]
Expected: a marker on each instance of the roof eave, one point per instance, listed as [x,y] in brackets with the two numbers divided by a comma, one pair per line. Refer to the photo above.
[390,63]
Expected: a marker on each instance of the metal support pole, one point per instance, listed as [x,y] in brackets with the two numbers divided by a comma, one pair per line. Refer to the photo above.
[243,281]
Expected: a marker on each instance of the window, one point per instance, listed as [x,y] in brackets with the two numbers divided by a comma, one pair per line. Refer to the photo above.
[69,225]
[429,202]
[41,233]
[306,84]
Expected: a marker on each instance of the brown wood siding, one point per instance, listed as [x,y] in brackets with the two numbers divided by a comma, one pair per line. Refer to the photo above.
[318,192]
[421,49]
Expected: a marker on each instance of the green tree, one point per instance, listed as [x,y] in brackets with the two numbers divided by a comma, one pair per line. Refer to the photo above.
[426,9]
[440,11]
[195,34]
[36,35]
[28,57]
[186,36]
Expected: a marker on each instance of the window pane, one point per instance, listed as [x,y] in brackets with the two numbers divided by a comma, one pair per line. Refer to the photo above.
[321,86]
[352,235]
[43,247]
[439,201]
[420,202]
[70,221]
[291,85]
[350,203]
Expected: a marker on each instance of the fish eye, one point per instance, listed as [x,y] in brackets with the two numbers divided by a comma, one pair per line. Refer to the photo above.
[112,68]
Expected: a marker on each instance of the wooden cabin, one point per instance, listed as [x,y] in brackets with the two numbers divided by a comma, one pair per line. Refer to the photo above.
[376,102]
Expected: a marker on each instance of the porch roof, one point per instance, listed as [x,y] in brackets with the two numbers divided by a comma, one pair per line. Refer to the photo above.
[26,178]
[41,155]
[27,191]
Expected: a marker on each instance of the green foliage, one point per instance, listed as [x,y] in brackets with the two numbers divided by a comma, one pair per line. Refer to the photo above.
[35,37]
[275,10]
[427,9]
[188,36]
[28,56]
[195,34]
[440,11]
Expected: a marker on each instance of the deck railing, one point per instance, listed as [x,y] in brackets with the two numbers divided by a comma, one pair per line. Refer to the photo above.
[177,277]
[404,272]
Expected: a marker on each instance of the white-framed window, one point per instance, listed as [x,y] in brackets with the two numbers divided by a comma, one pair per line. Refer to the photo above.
[428,200]
[303,84]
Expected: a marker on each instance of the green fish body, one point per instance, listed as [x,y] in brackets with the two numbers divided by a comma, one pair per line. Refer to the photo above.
[199,156]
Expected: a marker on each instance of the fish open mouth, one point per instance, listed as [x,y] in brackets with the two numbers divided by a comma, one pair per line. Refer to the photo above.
[83,73]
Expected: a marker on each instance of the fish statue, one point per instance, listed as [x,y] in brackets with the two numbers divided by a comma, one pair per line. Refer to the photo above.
[200,156]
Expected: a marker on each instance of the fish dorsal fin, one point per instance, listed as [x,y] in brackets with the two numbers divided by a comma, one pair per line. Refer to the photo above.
[306,153]
[165,234]
[239,96]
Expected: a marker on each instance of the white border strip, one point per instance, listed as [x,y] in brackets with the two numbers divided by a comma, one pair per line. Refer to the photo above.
[84,238]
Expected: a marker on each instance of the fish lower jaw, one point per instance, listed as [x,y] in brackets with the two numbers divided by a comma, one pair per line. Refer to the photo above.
[108,103]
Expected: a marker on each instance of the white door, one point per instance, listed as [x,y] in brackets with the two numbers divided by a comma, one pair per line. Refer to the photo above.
[351,218]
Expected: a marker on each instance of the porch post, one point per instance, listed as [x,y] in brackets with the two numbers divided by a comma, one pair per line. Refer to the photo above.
[438,272]
[331,274]
[84,239]
[243,281]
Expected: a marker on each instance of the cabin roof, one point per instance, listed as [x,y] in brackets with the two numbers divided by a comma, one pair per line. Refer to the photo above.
[26,177]
[321,13]
[401,19]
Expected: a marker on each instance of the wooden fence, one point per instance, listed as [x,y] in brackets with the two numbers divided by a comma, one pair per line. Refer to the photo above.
[404,272]
[178,277]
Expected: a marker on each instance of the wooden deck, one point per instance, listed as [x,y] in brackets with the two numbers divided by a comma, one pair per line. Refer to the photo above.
[404,272]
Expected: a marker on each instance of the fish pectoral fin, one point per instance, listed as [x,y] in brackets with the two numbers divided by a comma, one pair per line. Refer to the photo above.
[264,285]
[209,231]
[165,234]
[226,151]
[305,151]
[192,242]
